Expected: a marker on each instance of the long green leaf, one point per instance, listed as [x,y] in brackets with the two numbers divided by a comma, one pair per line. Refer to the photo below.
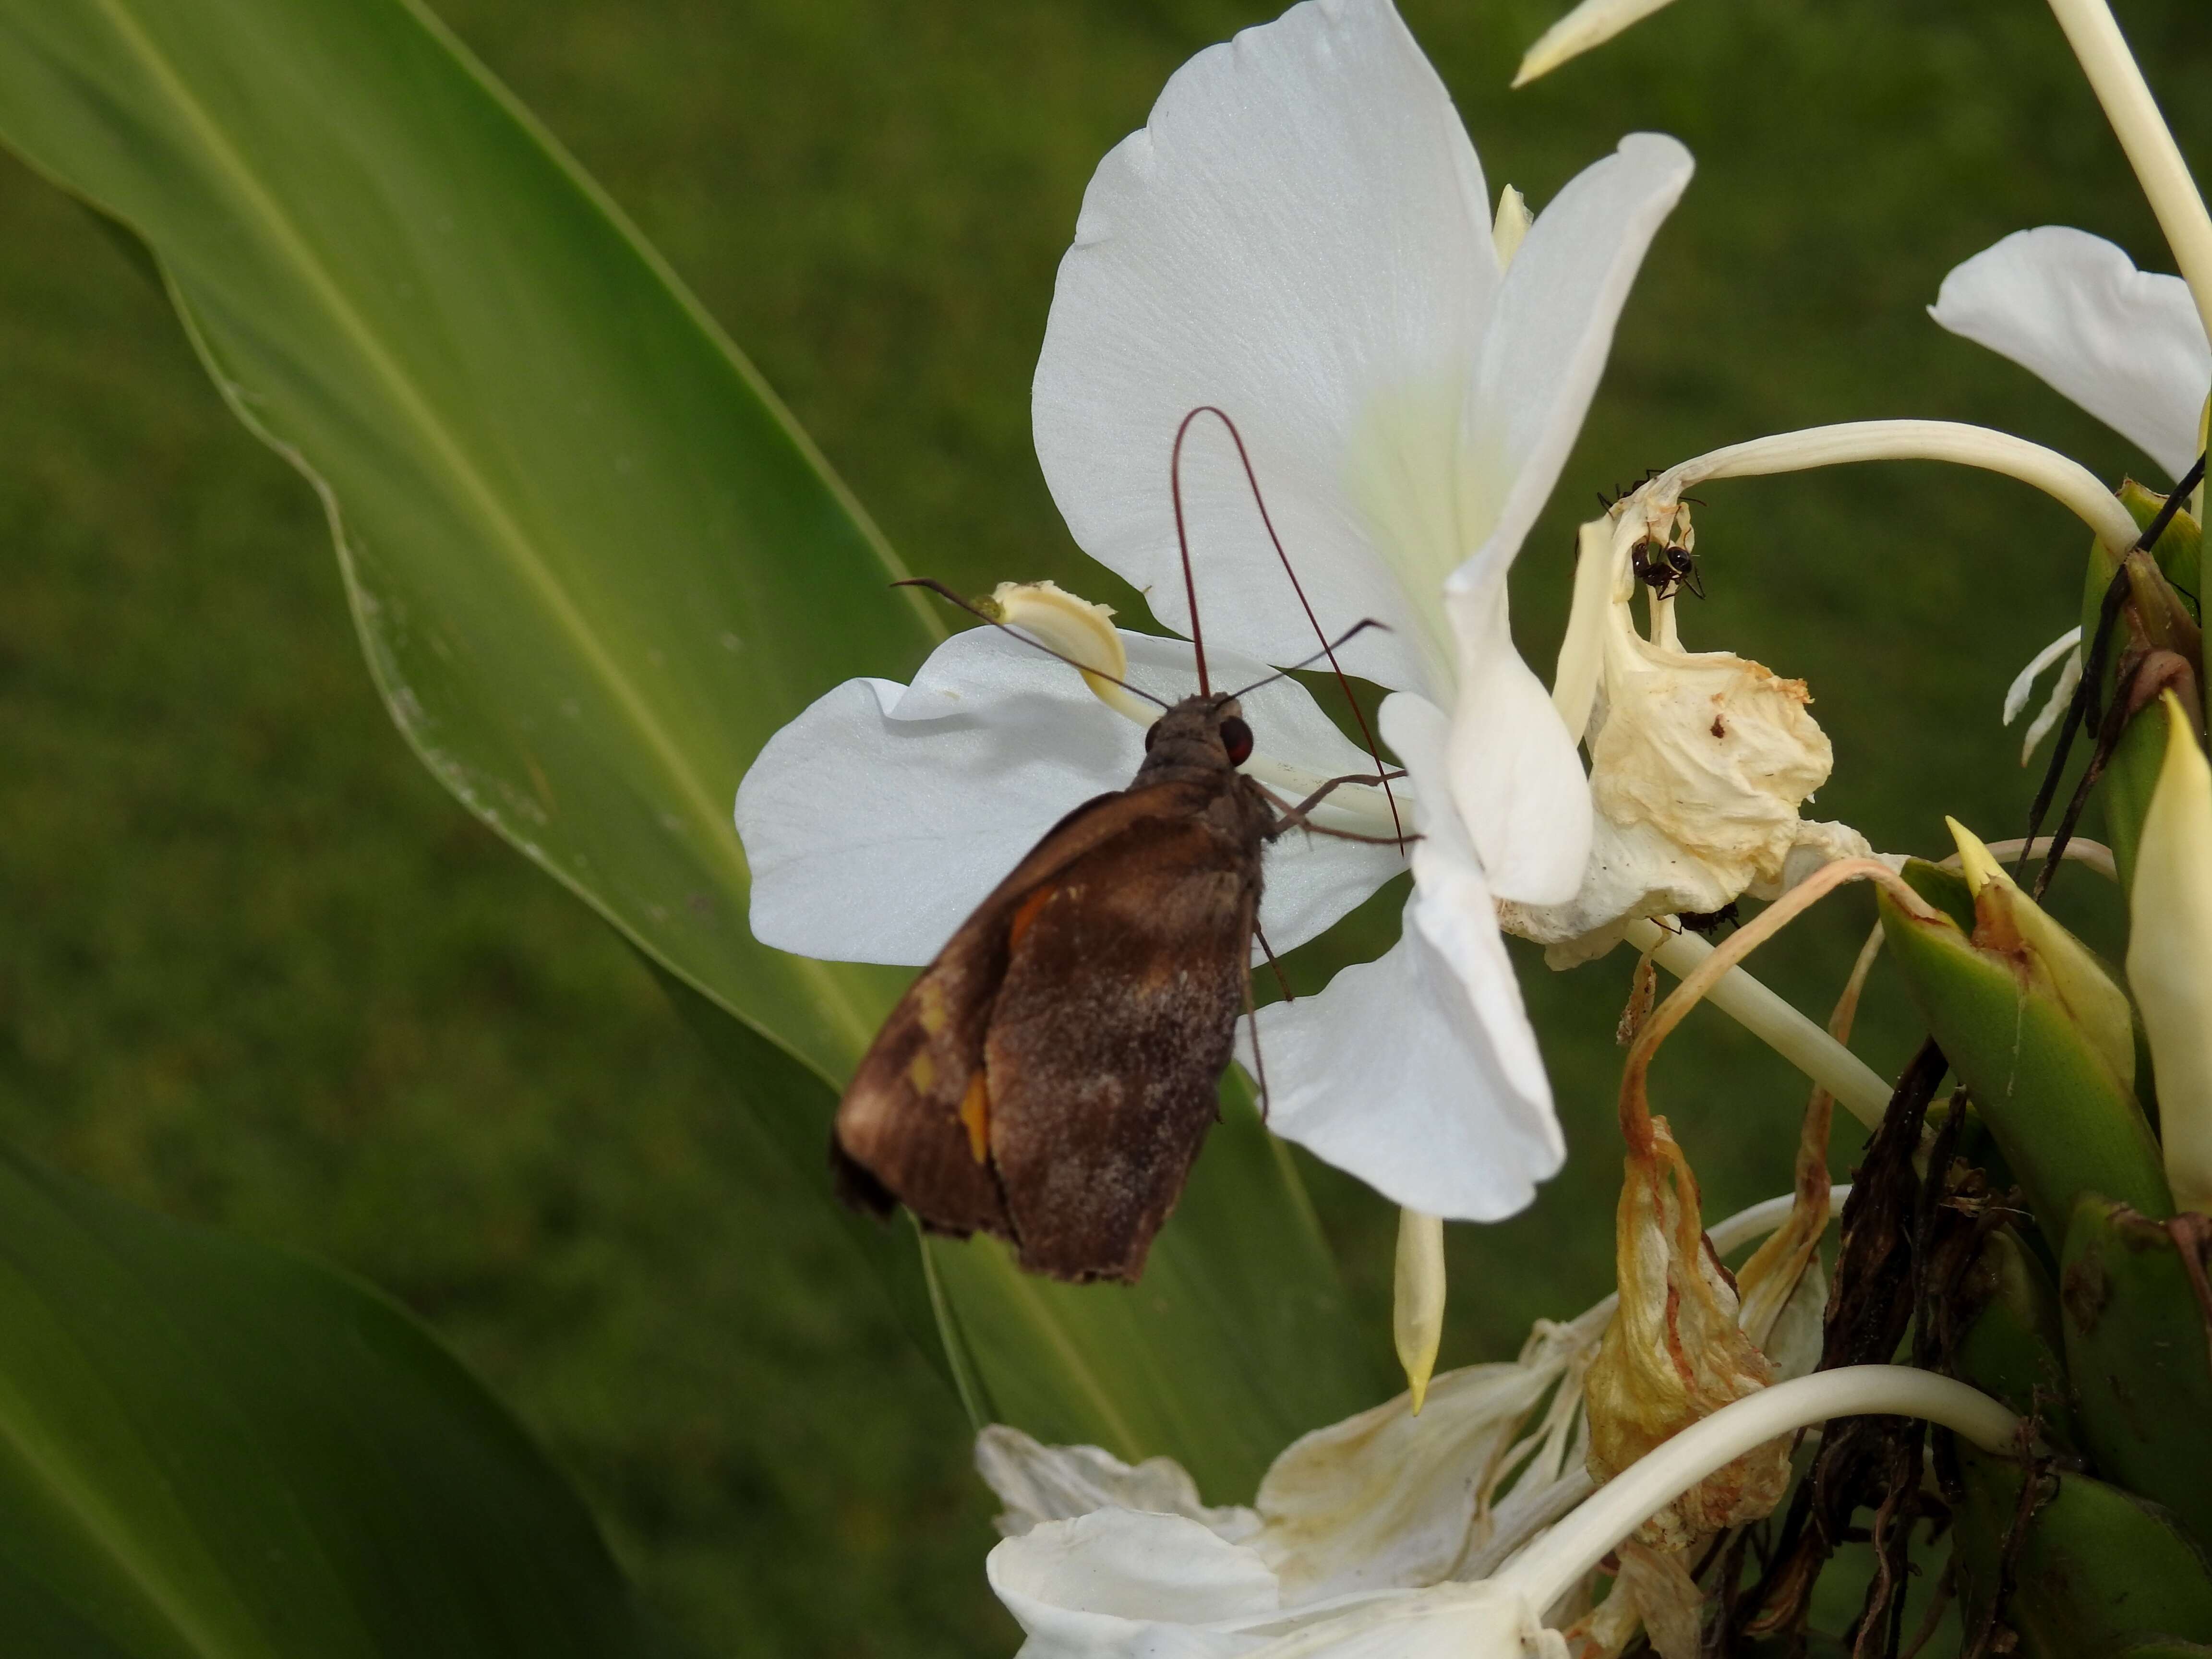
[594,565]
[214,1450]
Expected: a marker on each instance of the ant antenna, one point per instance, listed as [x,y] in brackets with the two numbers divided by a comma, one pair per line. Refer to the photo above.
[1328,650]
[977,610]
[1282,673]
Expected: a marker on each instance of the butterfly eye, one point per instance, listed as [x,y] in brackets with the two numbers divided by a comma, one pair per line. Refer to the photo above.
[1237,739]
[1151,732]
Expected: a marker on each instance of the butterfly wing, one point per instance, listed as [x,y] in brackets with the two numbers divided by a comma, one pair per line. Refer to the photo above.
[1115,1020]
[1049,1078]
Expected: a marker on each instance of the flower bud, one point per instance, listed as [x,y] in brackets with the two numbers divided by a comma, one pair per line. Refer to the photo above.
[2170,956]
[2054,961]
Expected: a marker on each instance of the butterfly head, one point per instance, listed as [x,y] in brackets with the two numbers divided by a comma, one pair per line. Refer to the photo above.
[1203,734]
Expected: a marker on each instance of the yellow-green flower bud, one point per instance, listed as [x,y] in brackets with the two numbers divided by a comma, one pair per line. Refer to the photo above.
[2170,956]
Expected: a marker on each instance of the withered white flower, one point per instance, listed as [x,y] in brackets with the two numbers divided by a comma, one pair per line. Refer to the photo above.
[1699,760]
[1387,1534]
[1301,236]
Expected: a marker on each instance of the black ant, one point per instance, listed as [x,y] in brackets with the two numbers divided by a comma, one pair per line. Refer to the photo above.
[1666,568]
[1707,923]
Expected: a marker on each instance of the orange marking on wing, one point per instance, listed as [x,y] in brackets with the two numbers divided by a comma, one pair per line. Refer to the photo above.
[975,1116]
[1027,914]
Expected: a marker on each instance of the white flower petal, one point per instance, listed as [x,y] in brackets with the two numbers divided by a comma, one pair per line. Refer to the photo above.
[1392,1075]
[2072,308]
[2024,682]
[1546,342]
[2054,707]
[876,821]
[1039,1483]
[1591,24]
[1387,1500]
[1301,236]
[1117,1584]
[1511,763]
[1120,1582]
[1418,1073]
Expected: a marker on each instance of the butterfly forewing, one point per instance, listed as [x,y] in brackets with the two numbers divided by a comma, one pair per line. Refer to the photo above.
[1116,1017]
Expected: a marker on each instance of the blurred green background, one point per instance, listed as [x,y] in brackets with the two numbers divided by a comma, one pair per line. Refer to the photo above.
[257,969]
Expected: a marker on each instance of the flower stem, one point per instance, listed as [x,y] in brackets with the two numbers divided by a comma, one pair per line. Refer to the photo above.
[2064,480]
[1856,1086]
[1548,1568]
[2118,83]
[1635,1110]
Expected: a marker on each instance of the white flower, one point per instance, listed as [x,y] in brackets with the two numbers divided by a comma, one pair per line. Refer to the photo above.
[1301,237]
[2072,308]
[1699,760]
[1358,1533]
[2127,345]
[1387,1534]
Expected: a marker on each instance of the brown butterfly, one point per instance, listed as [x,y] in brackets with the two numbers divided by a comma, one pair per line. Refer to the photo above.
[1050,1077]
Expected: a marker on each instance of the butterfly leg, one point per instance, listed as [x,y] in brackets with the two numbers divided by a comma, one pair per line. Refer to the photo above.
[1252,1013]
[1298,816]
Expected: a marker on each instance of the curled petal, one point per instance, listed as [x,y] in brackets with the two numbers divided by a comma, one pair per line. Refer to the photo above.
[1300,235]
[2054,707]
[877,820]
[1510,761]
[2125,344]
[2024,682]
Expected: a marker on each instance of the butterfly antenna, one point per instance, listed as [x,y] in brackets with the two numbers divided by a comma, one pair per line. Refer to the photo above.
[977,611]
[1182,538]
[1285,673]
[1327,648]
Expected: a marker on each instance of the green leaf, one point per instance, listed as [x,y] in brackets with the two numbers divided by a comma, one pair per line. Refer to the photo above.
[2136,1345]
[2097,1570]
[2045,1088]
[211,1450]
[592,562]
[1238,1341]
[594,567]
